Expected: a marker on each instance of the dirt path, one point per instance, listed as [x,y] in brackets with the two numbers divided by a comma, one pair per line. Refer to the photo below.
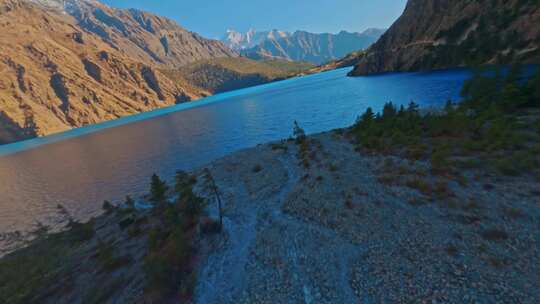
[257,230]
[357,228]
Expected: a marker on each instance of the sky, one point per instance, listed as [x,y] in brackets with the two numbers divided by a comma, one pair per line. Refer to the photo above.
[211,18]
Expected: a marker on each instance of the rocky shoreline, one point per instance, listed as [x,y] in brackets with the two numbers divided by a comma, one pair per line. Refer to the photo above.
[338,232]
[323,222]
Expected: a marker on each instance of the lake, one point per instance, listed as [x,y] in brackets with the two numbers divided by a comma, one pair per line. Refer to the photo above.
[81,168]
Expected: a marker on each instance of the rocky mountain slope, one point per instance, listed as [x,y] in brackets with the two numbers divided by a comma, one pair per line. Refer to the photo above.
[64,68]
[433,34]
[347,61]
[225,74]
[302,46]
[144,36]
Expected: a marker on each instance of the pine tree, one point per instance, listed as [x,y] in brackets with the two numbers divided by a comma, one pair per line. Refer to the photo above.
[389,111]
[367,117]
[158,189]
[130,203]
[298,133]
[534,89]
[413,107]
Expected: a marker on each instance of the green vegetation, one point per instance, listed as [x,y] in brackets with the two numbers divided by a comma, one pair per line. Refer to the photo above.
[298,133]
[491,128]
[302,141]
[257,168]
[46,267]
[169,262]
[224,74]
[24,275]
[107,207]
[130,203]
[282,146]
[108,260]
[158,190]
[494,235]
[289,67]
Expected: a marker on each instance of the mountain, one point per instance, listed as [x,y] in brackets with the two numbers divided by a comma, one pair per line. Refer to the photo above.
[225,74]
[83,63]
[300,45]
[241,41]
[435,34]
[142,36]
[315,48]
[347,61]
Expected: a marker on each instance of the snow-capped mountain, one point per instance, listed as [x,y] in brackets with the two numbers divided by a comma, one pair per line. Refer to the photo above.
[55,4]
[242,41]
[300,45]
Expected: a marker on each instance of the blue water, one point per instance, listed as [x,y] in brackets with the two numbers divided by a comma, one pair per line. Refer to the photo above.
[81,168]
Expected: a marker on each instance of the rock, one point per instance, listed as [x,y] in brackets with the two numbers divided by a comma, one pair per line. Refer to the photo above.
[436,34]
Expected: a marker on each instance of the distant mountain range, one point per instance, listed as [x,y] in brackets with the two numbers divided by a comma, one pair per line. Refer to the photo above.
[300,45]
[438,34]
[243,41]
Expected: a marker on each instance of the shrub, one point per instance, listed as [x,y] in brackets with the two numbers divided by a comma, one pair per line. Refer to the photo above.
[298,133]
[125,223]
[79,232]
[416,201]
[104,292]
[416,152]
[107,207]
[513,212]
[439,159]
[452,250]
[332,168]
[420,185]
[107,259]
[279,146]
[442,189]
[494,235]
[134,231]
[507,167]
[303,152]
[469,163]
[472,205]
[130,203]
[257,168]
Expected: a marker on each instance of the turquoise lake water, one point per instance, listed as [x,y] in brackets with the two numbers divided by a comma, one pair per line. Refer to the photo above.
[81,168]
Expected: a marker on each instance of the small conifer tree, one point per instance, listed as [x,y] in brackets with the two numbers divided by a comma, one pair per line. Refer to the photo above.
[158,189]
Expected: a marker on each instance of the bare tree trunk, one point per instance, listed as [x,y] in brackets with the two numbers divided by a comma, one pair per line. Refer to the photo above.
[216,193]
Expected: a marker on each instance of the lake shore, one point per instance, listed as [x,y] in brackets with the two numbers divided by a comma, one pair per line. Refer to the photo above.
[333,225]
[352,227]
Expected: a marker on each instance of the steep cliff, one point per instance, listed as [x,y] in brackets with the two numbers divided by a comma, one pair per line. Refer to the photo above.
[433,34]
[144,36]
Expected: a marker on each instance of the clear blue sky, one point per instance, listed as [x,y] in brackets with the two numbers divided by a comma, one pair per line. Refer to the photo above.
[212,18]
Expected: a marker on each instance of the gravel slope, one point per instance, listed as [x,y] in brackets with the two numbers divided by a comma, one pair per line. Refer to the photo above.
[342,231]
